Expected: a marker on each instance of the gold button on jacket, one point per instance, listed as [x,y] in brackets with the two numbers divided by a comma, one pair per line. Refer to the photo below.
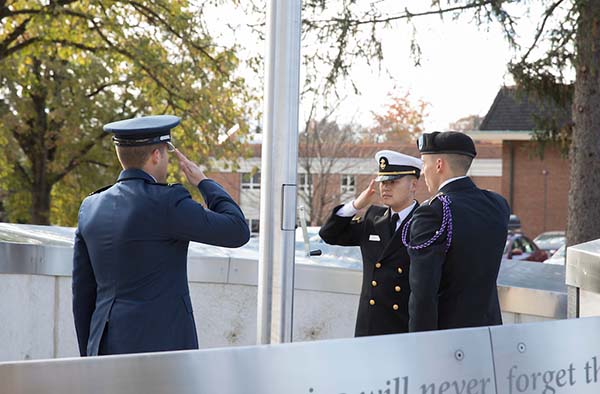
[386,264]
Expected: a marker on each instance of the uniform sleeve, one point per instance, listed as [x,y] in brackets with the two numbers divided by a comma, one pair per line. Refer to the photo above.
[222,224]
[84,292]
[340,230]
[347,210]
[425,268]
[505,207]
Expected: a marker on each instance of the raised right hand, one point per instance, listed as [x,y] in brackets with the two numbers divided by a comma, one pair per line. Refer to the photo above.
[366,197]
[191,170]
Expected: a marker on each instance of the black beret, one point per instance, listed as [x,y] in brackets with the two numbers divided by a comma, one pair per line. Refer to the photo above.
[446,142]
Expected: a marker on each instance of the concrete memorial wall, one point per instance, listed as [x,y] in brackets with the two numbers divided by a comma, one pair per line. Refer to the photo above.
[35,294]
[546,358]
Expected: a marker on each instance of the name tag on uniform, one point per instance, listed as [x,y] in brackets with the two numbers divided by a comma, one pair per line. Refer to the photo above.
[374,237]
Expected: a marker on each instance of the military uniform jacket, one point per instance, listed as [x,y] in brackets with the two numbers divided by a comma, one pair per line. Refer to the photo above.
[383,303]
[130,287]
[457,288]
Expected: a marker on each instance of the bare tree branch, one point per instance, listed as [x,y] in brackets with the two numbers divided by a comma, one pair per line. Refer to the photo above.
[406,15]
[540,29]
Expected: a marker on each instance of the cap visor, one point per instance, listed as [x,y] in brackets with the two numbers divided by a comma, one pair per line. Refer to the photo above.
[381,178]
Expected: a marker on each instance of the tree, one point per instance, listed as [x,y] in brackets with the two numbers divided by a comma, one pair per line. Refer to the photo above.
[566,40]
[69,66]
[466,123]
[402,121]
[324,156]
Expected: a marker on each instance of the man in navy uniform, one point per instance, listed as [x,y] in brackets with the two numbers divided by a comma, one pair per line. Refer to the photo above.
[383,303]
[130,287]
[456,241]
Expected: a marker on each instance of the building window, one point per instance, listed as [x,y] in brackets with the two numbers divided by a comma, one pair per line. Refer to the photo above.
[348,184]
[250,181]
[305,182]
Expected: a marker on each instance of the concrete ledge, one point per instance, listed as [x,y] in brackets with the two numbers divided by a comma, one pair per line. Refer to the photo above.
[35,294]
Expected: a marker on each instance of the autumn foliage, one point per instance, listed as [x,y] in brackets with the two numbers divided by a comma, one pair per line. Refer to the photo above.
[402,121]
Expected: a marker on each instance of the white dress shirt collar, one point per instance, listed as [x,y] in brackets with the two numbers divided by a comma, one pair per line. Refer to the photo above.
[447,181]
[403,213]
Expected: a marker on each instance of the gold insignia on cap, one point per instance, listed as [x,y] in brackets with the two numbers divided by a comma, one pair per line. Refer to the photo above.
[411,172]
[382,163]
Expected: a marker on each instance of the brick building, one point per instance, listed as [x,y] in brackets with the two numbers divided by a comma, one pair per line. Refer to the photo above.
[535,186]
[507,162]
[340,176]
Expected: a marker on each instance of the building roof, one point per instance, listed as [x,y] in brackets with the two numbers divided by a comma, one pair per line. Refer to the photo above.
[514,110]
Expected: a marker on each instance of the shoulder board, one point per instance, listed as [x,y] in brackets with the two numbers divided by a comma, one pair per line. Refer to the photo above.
[356,219]
[432,199]
[100,190]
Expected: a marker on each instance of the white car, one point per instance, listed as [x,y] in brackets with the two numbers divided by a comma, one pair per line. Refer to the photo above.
[558,257]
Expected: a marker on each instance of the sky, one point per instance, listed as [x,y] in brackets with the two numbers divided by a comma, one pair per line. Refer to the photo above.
[462,67]
[461,70]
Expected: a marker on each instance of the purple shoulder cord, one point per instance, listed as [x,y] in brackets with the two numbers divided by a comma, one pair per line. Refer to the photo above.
[446,223]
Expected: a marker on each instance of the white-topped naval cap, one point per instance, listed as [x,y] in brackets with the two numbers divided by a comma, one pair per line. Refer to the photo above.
[392,165]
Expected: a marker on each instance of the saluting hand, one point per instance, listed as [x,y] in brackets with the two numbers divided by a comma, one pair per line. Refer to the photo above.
[191,170]
[367,197]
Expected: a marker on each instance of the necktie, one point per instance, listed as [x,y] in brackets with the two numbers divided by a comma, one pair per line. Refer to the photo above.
[393,221]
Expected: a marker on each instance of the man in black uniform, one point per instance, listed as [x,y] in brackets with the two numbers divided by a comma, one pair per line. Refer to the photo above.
[383,304]
[456,241]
